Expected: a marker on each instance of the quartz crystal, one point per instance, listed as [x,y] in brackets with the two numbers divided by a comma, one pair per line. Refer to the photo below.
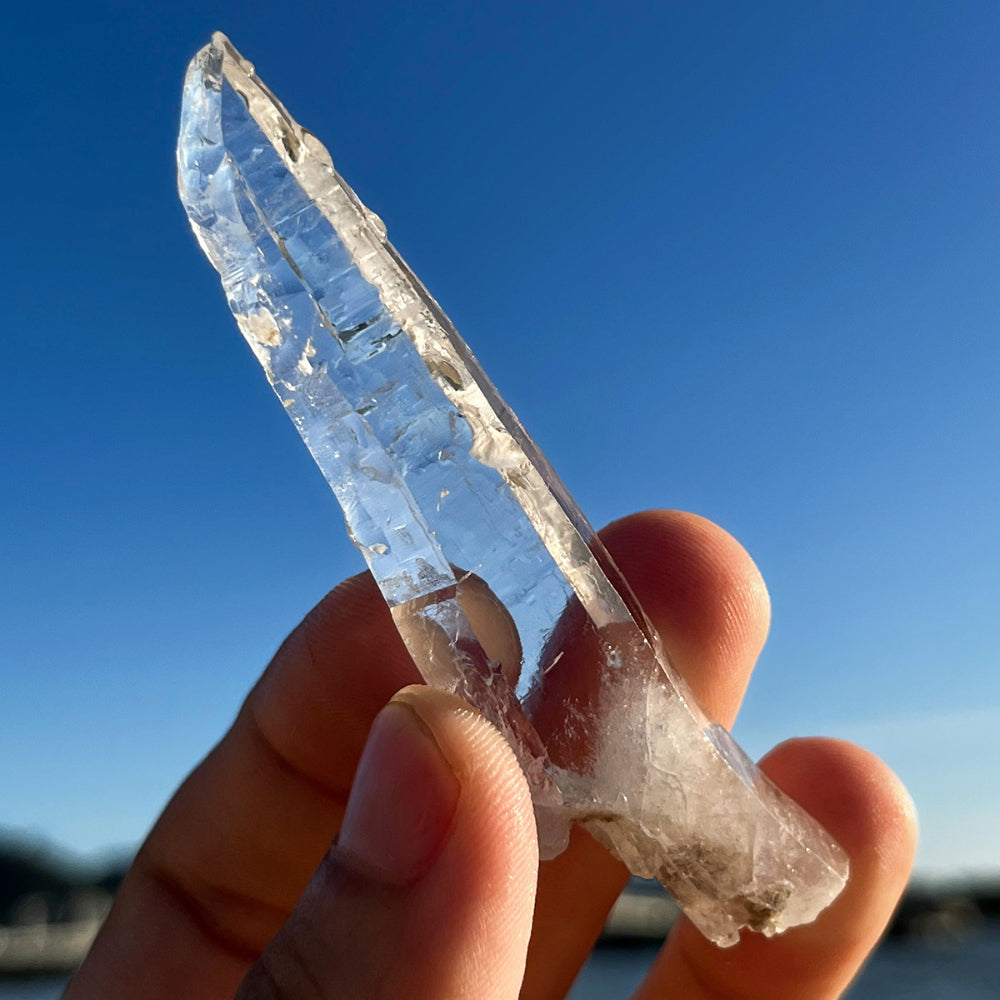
[498,585]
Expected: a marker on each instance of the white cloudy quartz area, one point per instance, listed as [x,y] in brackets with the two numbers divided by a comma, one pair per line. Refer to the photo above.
[496,581]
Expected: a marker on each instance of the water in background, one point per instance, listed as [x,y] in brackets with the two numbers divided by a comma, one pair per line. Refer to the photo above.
[908,968]
[901,969]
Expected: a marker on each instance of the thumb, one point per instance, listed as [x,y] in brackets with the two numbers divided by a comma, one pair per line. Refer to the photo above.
[430,888]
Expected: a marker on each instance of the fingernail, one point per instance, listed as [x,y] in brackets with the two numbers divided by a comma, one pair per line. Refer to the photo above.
[403,798]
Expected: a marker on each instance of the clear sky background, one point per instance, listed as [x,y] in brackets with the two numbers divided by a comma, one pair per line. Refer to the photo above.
[735,258]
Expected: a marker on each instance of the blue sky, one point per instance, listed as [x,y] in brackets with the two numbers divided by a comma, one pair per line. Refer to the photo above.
[739,259]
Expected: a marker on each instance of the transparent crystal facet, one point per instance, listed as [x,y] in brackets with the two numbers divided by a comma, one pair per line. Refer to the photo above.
[496,582]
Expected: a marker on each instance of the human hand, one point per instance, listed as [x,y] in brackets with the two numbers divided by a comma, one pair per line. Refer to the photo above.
[430,888]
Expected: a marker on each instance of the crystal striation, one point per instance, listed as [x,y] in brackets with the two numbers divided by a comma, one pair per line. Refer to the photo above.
[498,585]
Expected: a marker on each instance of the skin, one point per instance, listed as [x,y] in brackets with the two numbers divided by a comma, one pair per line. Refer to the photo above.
[433,888]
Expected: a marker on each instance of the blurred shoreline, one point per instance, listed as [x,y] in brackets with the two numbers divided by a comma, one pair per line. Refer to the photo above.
[52,906]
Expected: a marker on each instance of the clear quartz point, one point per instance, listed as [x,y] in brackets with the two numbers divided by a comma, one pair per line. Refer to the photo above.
[499,587]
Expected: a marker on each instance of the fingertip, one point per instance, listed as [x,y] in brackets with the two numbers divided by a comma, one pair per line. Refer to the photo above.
[857,797]
[488,871]
[863,806]
[704,594]
[403,801]
[482,759]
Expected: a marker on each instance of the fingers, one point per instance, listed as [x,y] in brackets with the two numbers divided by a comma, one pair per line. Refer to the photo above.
[706,598]
[429,891]
[862,803]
